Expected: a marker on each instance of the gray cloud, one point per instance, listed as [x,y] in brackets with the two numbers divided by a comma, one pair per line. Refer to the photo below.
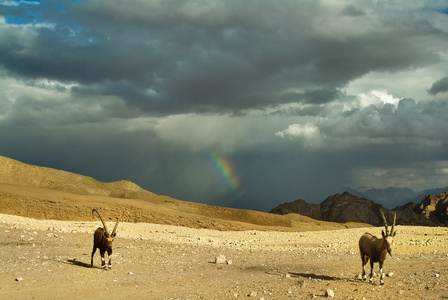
[175,57]
[440,86]
[301,98]
[422,124]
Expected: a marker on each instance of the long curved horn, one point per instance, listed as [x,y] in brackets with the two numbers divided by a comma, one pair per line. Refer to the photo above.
[104,224]
[116,224]
[385,222]
[393,225]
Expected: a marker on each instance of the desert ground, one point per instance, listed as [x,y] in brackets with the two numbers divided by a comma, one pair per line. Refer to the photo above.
[50,259]
[171,249]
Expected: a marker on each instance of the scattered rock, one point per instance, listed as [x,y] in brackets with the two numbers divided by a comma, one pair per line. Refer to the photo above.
[329,293]
[221,259]
[19,278]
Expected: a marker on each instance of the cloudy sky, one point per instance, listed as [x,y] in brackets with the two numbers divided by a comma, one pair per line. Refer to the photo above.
[245,104]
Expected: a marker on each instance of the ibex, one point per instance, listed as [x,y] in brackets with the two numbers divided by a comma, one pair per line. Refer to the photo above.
[102,240]
[376,249]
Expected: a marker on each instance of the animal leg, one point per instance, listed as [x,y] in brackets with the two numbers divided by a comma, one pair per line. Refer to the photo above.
[371,272]
[109,253]
[103,259]
[381,272]
[364,259]
[91,260]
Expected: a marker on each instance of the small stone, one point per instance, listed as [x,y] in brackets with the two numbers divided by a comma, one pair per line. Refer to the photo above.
[390,274]
[253,294]
[329,293]
[130,273]
[221,259]
[19,278]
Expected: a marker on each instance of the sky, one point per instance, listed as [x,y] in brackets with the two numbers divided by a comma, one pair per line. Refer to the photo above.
[245,104]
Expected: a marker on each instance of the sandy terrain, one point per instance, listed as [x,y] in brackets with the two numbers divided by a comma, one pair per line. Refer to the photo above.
[167,248]
[45,259]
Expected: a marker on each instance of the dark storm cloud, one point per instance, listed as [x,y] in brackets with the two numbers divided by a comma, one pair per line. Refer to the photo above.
[301,97]
[170,56]
[316,96]
[440,86]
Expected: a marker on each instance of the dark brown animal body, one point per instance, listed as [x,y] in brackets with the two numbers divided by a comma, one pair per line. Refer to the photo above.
[375,249]
[102,240]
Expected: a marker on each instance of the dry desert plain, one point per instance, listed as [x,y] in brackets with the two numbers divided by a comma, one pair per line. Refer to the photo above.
[49,259]
[168,249]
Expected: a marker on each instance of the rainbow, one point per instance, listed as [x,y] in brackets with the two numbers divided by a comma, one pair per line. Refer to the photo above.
[226,170]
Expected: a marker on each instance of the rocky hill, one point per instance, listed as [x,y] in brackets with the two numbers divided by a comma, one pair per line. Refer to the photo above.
[299,207]
[346,207]
[435,207]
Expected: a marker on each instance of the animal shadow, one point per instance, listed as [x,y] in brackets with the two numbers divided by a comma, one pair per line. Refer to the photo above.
[78,263]
[313,276]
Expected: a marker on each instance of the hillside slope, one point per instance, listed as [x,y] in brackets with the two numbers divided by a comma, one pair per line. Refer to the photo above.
[46,193]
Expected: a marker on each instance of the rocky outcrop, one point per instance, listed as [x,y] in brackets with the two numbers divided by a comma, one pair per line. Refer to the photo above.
[345,207]
[408,215]
[435,208]
[339,208]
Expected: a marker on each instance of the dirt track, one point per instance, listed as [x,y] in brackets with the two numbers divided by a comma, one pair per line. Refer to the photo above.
[44,259]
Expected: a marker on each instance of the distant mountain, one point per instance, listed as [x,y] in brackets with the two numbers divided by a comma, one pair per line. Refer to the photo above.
[346,207]
[299,207]
[420,195]
[340,208]
[392,197]
[389,197]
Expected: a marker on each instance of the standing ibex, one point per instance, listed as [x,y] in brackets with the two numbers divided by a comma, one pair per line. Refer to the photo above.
[102,240]
[376,249]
